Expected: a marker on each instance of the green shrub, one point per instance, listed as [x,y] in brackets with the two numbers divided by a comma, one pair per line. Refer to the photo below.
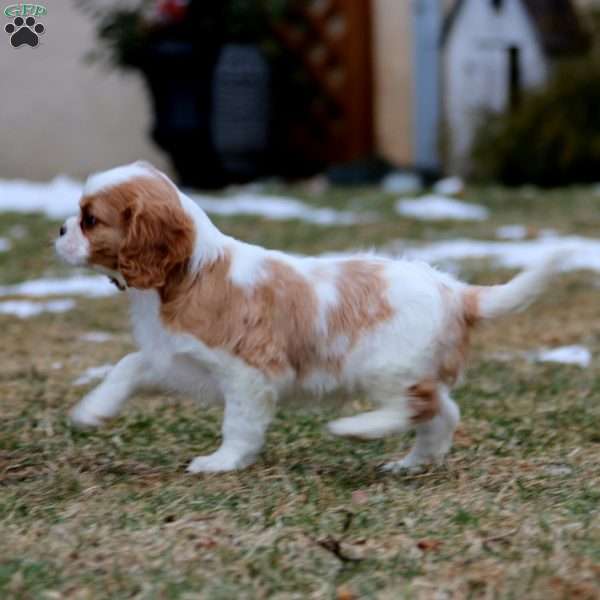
[552,138]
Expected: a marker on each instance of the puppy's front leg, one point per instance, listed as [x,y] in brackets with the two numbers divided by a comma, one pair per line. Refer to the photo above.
[248,413]
[105,401]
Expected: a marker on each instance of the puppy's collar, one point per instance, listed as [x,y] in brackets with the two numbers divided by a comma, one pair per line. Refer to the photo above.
[114,276]
[121,284]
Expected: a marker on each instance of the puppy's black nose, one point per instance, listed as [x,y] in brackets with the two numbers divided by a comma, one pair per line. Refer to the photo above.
[62,230]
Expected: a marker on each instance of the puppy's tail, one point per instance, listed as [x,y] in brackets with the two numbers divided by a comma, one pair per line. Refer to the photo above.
[482,302]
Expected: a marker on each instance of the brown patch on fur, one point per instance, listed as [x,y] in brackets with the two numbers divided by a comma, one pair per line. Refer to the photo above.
[463,315]
[107,235]
[270,326]
[471,305]
[362,302]
[424,401]
[141,231]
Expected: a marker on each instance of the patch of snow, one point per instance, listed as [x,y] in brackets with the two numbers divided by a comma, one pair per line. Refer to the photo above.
[92,374]
[18,232]
[504,356]
[558,470]
[567,355]
[277,208]
[450,186]
[522,232]
[398,182]
[529,191]
[4,245]
[25,308]
[512,232]
[58,198]
[439,208]
[583,253]
[252,187]
[96,337]
[316,185]
[92,286]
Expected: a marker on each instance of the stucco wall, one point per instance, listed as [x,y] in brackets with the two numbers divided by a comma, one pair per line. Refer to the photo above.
[61,115]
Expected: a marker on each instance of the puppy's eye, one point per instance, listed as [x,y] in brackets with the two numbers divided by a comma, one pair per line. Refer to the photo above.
[88,221]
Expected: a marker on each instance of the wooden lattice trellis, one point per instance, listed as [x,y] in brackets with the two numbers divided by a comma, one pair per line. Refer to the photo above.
[332,41]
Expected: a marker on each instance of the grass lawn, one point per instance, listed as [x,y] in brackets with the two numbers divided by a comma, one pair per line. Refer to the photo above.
[515,513]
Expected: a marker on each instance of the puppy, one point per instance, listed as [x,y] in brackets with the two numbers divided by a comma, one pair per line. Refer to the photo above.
[237,323]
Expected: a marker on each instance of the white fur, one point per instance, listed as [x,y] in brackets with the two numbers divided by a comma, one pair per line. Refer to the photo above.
[73,247]
[433,438]
[324,281]
[107,179]
[247,265]
[209,240]
[385,362]
[518,294]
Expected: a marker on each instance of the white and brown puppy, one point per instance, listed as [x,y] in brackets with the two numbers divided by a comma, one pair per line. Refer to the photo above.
[216,317]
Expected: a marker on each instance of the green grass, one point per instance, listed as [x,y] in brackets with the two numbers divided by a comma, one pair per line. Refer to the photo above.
[111,514]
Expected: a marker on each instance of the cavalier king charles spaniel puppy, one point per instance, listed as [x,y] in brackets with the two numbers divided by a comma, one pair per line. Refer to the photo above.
[227,321]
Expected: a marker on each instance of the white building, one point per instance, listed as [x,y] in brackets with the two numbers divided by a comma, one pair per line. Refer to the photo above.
[494,49]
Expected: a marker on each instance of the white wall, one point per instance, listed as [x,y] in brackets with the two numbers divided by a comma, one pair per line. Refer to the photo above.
[476,68]
[60,115]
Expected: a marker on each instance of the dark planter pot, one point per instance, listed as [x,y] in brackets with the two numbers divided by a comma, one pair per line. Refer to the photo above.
[211,110]
[241,110]
[180,79]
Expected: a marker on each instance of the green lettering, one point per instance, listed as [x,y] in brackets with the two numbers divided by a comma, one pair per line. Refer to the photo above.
[14,10]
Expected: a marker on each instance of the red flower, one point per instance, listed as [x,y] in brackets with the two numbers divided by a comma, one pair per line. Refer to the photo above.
[172,11]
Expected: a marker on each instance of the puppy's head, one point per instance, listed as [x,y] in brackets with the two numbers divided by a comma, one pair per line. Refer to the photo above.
[131,225]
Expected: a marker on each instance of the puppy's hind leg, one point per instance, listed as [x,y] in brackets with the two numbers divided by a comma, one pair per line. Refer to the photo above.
[433,438]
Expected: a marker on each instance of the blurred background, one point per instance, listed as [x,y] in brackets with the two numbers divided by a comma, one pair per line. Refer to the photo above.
[220,92]
[469,131]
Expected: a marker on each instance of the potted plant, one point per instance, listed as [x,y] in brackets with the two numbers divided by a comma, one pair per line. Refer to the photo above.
[206,65]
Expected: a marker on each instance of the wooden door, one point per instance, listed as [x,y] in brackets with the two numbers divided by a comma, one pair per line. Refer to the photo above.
[332,41]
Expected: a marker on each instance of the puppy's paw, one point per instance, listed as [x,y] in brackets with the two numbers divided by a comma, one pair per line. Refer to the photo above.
[84,418]
[405,466]
[219,462]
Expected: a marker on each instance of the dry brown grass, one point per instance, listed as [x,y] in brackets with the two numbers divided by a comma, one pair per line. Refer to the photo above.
[111,514]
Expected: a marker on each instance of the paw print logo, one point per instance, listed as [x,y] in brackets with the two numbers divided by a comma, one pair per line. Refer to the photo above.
[24,31]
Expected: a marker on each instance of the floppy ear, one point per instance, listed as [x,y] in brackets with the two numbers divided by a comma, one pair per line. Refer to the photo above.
[159,237]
